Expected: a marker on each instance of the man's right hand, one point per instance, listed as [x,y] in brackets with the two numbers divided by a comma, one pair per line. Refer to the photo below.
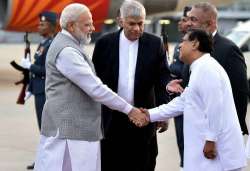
[139,118]
[28,94]
[209,150]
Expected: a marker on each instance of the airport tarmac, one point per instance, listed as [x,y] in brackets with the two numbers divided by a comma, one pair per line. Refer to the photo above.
[19,133]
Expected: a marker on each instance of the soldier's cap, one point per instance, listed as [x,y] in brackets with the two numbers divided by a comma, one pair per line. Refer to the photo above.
[48,16]
[186,9]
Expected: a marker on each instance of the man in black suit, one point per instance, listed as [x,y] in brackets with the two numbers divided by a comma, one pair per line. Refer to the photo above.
[204,16]
[133,64]
[46,28]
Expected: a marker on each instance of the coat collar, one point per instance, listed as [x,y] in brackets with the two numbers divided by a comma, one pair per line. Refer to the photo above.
[140,56]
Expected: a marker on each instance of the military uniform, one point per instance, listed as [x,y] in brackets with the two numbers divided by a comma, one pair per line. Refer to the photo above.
[37,69]
[37,77]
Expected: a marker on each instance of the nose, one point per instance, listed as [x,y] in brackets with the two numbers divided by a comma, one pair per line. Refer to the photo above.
[92,28]
[189,23]
[136,27]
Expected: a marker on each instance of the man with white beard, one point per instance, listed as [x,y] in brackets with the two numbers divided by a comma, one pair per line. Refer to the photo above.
[71,120]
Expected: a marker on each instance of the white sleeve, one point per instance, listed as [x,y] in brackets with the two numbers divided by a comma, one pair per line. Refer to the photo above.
[211,94]
[73,66]
[174,108]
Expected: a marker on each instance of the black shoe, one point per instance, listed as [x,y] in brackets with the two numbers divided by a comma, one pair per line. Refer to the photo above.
[30,167]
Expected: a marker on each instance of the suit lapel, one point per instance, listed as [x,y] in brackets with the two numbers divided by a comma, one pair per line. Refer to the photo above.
[140,59]
[115,59]
[215,40]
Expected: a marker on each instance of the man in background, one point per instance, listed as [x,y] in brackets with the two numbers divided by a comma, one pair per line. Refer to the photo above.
[133,64]
[46,28]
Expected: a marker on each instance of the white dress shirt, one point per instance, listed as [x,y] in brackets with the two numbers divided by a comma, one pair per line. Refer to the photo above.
[128,51]
[209,114]
[74,154]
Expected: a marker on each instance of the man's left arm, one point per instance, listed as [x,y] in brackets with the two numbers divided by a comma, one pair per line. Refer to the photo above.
[236,70]
[213,119]
[40,69]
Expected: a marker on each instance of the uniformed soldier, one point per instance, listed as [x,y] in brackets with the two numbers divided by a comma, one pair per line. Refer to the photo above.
[46,28]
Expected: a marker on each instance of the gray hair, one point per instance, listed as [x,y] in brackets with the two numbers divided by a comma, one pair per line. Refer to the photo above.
[71,13]
[208,9]
[131,8]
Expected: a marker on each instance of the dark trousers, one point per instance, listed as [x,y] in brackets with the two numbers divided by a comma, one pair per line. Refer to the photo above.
[127,147]
[127,156]
[39,103]
[179,136]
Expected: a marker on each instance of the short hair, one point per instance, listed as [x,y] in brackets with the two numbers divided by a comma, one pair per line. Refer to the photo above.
[205,39]
[186,9]
[131,8]
[209,9]
[71,13]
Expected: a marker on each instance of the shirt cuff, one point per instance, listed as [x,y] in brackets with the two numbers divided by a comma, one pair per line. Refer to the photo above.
[154,114]
[127,108]
[211,136]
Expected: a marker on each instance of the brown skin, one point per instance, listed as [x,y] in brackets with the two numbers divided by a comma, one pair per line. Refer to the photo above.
[209,150]
[84,23]
[46,29]
[183,25]
[189,50]
[197,18]
[133,27]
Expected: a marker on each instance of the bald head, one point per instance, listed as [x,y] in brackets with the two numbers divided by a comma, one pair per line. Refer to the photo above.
[203,15]
[208,9]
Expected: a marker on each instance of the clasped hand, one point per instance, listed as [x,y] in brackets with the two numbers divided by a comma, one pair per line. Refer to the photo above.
[140,117]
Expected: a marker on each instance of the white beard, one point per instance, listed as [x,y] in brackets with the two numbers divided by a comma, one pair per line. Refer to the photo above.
[82,37]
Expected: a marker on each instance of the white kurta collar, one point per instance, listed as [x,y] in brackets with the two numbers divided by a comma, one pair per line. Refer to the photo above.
[124,39]
[197,61]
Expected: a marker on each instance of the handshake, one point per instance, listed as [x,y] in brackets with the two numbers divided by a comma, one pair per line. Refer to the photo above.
[140,117]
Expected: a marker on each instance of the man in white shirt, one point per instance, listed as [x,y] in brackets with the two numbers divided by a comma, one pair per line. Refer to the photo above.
[71,127]
[213,140]
[204,15]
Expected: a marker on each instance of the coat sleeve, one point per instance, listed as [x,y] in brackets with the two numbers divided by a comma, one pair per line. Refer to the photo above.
[236,70]
[39,69]
[96,57]
[211,86]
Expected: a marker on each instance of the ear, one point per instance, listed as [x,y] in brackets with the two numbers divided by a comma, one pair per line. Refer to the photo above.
[70,27]
[195,45]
